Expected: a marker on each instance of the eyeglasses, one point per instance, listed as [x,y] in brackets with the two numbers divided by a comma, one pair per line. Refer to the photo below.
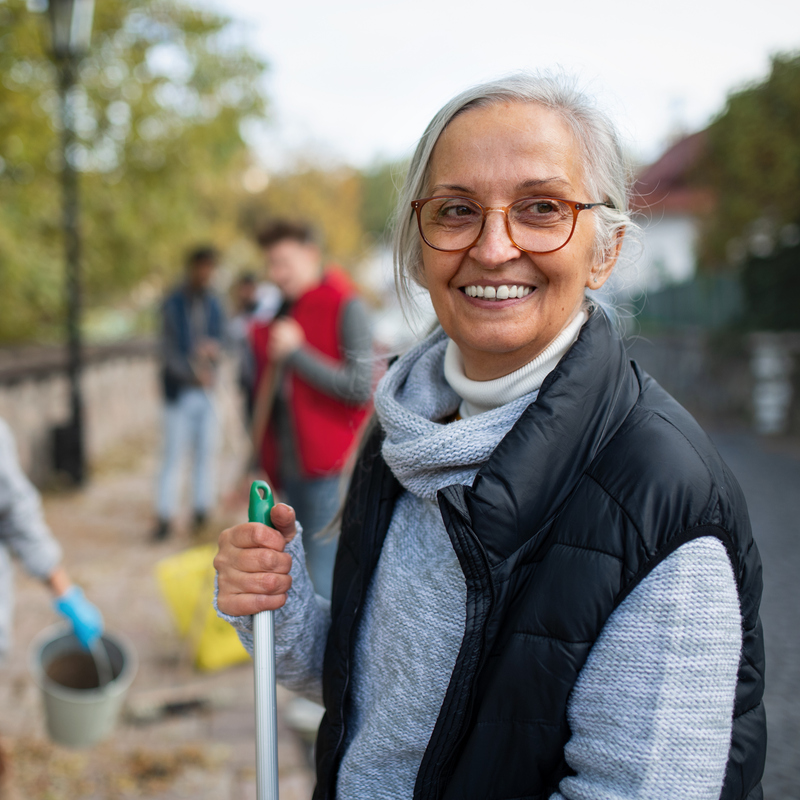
[534,224]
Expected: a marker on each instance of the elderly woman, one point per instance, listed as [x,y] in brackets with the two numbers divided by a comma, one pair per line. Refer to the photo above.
[546,584]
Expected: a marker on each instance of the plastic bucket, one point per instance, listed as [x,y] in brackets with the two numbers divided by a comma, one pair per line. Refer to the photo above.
[78,711]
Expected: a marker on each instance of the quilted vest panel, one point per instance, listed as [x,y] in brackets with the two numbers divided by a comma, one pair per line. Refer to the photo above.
[600,479]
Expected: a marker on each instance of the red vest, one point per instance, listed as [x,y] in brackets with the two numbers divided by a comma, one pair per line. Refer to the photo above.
[325,429]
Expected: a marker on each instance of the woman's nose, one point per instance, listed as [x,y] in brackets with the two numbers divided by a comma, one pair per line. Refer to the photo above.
[494,247]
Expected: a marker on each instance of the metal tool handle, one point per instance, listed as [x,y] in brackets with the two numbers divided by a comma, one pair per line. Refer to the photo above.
[261,502]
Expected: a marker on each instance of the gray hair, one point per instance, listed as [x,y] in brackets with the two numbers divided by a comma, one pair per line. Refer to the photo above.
[606,173]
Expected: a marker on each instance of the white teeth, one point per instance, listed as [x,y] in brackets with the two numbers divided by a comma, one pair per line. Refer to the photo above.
[498,292]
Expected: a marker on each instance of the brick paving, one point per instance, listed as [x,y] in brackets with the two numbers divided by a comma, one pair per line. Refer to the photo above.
[769,472]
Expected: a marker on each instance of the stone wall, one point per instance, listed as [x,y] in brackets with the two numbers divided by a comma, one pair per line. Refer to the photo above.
[120,390]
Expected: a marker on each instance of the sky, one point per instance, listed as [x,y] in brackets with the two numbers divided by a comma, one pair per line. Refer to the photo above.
[358,80]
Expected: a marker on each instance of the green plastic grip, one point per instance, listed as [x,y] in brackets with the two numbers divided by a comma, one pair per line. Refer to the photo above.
[261,502]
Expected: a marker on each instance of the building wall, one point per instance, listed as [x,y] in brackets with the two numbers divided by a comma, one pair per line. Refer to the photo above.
[668,250]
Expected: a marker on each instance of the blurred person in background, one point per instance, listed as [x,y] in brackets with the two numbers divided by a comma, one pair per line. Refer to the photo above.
[25,535]
[314,379]
[245,302]
[192,328]
[252,302]
[547,585]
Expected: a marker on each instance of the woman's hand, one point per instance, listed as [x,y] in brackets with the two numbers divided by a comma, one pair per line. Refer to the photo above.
[252,567]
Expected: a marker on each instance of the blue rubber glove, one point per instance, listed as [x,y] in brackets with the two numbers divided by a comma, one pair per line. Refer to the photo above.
[86,619]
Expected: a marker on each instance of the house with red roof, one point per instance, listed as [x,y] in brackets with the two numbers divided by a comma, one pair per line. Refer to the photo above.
[668,203]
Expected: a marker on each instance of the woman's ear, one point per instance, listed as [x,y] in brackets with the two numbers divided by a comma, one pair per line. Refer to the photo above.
[419,276]
[601,271]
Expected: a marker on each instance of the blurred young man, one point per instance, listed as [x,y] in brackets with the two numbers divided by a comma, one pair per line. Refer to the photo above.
[314,381]
[191,340]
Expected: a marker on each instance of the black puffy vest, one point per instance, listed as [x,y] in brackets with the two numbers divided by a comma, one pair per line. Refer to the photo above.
[600,479]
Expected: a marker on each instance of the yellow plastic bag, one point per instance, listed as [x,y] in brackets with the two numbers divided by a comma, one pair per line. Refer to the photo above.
[187,582]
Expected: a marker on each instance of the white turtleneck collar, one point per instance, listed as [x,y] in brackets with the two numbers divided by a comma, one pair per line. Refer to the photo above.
[479,396]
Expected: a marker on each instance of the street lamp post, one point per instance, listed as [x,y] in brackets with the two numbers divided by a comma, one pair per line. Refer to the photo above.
[71,27]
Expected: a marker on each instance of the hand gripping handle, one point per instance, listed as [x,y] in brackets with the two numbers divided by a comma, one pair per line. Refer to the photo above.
[261,503]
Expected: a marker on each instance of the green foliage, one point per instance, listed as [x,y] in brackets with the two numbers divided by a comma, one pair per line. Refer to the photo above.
[770,287]
[381,184]
[350,208]
[328,198]
[753,163]
[159,109]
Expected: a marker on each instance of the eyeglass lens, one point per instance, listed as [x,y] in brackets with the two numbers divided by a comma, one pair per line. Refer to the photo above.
[537,224]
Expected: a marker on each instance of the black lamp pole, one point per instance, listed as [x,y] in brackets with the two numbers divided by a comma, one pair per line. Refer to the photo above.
[71,22]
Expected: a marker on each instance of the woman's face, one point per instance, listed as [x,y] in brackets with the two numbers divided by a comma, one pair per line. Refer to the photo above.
[496,155]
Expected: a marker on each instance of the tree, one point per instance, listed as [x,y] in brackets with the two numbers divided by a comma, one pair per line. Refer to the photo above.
[769,283]
[351,208]
[159,110]
[752,165]
[329,198]
[381,183]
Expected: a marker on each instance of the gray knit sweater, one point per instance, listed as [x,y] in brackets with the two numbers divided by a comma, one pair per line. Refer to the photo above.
[23,531]
[651,711]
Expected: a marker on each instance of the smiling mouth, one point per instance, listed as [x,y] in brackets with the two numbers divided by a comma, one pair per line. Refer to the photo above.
[504,292]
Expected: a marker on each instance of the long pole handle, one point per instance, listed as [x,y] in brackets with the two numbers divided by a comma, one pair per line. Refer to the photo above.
[261,502]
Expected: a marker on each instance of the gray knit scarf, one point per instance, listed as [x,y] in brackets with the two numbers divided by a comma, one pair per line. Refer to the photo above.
[412,399]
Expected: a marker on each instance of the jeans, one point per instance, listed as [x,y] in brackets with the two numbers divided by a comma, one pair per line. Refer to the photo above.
[315,501]
[190,423]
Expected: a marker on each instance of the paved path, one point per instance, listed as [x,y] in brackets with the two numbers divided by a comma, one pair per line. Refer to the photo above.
[209,755]
[206,755]
[770,477]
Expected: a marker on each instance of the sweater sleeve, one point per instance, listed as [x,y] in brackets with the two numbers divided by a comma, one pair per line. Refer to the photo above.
[301,630]
[22,525]
[651,711]
[350,381]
